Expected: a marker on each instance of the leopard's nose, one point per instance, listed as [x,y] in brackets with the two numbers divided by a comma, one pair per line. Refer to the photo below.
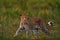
[24,18]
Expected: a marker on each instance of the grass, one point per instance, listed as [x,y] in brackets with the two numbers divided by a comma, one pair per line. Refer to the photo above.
[10,19]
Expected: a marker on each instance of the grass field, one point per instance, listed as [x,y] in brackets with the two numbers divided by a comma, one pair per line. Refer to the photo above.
[10,19]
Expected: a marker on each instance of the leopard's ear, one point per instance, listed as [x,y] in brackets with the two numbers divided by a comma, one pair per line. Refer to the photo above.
[20,15]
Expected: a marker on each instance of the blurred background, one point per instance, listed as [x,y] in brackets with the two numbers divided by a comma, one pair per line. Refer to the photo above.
[48,10]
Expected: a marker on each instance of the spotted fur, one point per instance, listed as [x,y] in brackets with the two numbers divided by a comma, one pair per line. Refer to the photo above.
[35,23]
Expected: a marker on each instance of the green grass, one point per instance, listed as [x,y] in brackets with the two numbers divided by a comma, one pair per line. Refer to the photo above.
[10,19]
